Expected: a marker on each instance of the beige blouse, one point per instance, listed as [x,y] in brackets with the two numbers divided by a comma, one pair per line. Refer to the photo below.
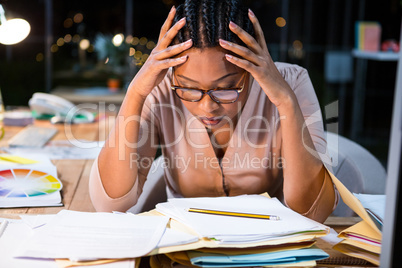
[252,163]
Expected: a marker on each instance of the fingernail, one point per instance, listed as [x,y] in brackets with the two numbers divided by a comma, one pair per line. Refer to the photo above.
[228,56]
[188,42]
[172,9]
[223,42]
[182,58]
[251,13]
[232,24]
[182,19]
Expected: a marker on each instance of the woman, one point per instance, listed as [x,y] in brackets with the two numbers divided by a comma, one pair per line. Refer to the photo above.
[228,119]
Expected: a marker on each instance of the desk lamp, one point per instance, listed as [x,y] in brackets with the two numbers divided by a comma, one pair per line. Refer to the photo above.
[12,31]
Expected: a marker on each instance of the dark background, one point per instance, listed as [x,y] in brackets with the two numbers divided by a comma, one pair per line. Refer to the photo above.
[321,27]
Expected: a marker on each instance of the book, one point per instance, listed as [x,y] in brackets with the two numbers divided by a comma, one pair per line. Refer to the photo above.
[367,35]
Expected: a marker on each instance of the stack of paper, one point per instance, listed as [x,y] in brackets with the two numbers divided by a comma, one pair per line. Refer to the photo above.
[88,236]
[241,241]
[362,240]
[25,182]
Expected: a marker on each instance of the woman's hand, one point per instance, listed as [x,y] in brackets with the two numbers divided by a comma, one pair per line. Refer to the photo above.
[256,59]
[161,57]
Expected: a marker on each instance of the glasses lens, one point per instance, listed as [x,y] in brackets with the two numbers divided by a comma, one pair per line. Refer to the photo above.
[189,94]
[225,96]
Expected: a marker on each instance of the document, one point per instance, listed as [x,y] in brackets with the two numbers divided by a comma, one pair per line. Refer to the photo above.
[83,236]
[260,259]
[233,230]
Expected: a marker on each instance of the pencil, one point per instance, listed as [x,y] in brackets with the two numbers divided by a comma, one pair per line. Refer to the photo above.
[234,214]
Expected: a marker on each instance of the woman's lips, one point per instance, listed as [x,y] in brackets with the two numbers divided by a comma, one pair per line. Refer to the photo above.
[211,121]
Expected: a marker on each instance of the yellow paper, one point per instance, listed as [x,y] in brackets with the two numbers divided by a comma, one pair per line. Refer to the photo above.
[353,203]
[17,159]
[357,252]
[361,229]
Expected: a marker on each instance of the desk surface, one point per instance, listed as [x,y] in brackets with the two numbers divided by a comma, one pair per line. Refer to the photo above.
[74,175]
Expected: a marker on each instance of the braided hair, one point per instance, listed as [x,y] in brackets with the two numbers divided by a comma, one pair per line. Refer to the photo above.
[207,21]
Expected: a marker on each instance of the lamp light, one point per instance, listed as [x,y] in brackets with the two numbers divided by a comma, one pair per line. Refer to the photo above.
[12,31]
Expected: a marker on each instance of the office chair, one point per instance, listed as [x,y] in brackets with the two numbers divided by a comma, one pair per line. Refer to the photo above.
[356,168]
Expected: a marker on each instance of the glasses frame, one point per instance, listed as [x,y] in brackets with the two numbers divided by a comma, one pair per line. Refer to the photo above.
[210,91]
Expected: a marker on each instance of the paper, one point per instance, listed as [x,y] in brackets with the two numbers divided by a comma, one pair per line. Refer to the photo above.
[7,158]
[174,237]
[261,259]
[15,235]
[232,230]
[64,150]
[353,203]
[373,202]
[89,236]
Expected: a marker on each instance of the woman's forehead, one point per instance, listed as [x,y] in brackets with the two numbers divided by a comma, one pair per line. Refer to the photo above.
[206,64]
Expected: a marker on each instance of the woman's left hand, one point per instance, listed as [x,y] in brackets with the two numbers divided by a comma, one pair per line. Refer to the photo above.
[256,59]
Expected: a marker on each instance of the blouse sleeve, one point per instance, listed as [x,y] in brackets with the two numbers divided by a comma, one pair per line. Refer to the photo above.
[300,82]
[146,151]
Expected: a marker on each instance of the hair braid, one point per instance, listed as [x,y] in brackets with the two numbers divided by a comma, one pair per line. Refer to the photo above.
[207,21]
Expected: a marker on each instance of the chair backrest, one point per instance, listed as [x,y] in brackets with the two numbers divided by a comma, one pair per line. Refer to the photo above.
[356,168]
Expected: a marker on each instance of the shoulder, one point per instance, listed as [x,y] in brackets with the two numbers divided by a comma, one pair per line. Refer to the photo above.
[291,71]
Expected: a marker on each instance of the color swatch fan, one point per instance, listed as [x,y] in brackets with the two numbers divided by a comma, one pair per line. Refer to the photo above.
[28,188]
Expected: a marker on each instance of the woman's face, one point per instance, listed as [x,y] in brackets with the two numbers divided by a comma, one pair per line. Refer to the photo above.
[208,69]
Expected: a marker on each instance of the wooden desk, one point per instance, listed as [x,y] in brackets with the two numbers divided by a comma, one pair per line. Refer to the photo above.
[74,175]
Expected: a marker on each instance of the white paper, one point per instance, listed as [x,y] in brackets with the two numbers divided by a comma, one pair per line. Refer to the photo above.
[15,234]
[227,229]
[173,238]
[88,236]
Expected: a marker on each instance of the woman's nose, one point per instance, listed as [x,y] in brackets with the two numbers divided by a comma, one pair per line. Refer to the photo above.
[208,104]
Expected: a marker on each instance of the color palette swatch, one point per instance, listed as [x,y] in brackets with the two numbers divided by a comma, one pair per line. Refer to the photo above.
[27,183]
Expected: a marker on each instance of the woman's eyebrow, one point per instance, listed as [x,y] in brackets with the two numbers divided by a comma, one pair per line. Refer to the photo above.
[217,80]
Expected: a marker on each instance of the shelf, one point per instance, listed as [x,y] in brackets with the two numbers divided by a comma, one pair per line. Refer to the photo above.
[379,56]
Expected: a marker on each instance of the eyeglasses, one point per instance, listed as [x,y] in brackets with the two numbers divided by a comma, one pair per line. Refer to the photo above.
[219,95]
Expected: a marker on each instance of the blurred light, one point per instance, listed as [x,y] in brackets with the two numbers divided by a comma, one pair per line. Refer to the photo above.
[132,51]
[298,45]
[60,41]
[135,41]
[280,22]
[143,41]
[84,44]
[78,18]
[76,38]
[106,60]
[67,38]
[68,23]
[138,55]
[12,31]
[54,48]
[118,40]
[151,45]
[129,39]
[144,57]
[91,48]
[39,57]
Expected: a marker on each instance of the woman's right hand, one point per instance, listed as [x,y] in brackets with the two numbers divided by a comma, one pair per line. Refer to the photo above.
[161,57]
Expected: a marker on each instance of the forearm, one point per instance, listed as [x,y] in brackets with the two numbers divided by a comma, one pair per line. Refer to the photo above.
[303,171]
[118,175]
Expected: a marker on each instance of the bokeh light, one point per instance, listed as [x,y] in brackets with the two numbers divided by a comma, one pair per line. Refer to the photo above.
[280,22]
[118,39]
[84,44]
[78,18]
[68,23]
[39,57]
